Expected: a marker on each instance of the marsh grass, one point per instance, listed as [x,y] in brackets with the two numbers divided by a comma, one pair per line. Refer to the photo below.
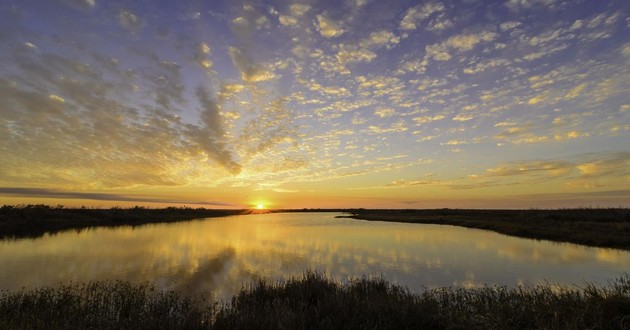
[601,227]
[315,301]
[36,220]
[98,305]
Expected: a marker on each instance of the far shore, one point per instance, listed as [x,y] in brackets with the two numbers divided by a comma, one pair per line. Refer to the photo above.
[31,221]
[596,227]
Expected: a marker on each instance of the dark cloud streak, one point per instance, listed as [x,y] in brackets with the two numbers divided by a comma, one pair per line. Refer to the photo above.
[52,193]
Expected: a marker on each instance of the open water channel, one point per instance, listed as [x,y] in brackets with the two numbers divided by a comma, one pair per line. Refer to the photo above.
[218,256]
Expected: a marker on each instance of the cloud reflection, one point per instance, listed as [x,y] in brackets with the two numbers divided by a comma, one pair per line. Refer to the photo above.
[218,256]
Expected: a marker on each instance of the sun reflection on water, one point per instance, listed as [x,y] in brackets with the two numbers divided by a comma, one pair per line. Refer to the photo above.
[217,256]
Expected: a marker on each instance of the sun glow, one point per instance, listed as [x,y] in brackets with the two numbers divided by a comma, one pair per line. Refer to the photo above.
[260,206]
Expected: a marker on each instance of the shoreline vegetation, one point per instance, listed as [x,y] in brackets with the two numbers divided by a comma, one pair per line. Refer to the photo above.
[315,301]
[596,227]
[32,221]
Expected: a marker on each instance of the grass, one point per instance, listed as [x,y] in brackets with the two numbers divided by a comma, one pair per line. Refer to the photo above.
[598,227]
[99,305]
[314,301]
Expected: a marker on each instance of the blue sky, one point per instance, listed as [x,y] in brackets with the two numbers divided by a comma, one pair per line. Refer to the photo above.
[518,103]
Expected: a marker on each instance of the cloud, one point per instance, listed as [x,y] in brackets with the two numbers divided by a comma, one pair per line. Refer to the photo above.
[415,15]
[416,66]
[463,117]
[576,91]
[202,56]
[247,23]
[299,9]
[427,119]
[328,28]
[250,72]
[54,193]
[546,169]
[287,20]
[350,54]
[521,134]
[468,41]
[210,136]
[438,52]
[271,127]
[505,26]
[397,127]
[379,39]
[82,4]
[130,21]
[487,65]
[517,5]
[617,164]
[385,112]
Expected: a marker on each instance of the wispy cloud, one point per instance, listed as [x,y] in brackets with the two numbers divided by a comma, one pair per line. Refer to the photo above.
[52,193]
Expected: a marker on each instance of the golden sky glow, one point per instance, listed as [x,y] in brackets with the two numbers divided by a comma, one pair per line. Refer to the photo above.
[352,103]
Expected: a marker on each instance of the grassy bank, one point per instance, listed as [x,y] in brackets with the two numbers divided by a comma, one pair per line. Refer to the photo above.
[593,227]
[36,220]
[315,301]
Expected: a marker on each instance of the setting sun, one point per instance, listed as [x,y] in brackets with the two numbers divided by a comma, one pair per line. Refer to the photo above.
[260,206]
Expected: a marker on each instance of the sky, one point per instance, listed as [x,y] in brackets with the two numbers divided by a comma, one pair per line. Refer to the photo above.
[315,104]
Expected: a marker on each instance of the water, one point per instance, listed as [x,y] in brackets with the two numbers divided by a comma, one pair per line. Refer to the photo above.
[217,256]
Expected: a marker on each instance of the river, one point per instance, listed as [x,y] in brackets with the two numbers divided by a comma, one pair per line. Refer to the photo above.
[217,256]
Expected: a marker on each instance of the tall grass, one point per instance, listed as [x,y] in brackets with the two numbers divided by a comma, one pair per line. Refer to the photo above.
[315,301]
[102,305]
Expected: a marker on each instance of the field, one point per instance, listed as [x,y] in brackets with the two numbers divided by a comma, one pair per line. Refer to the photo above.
[315,301]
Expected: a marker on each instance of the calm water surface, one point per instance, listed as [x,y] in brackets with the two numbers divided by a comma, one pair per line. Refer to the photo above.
[217,256]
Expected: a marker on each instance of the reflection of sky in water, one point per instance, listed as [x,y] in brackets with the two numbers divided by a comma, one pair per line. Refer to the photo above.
[219,255]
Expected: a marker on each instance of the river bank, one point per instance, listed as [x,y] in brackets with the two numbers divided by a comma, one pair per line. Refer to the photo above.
[36,220]
[607,228]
